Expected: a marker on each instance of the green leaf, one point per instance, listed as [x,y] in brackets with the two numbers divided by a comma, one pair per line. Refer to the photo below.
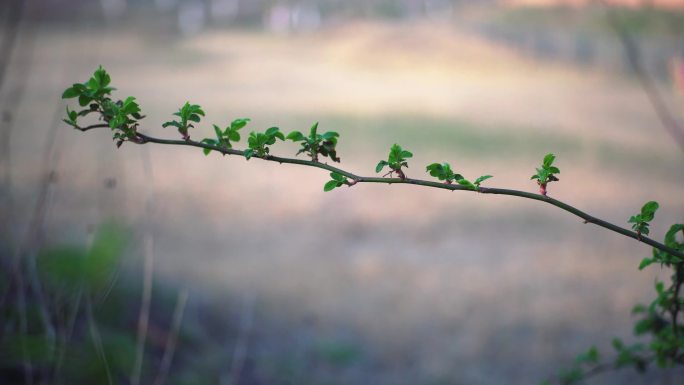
[648,210]
[211,142]
[481,179]
[172,123]
[70,92]
[84,100]
[671,236]
[314,129]
[406,154]
[239,123]
[72,115]
[94,84]
[589,357]
[331,185]
[660,287]
[130,106]
[295,136]
[234,136]
[330,135]
[380,166]
[617,344]
[338,177]
[249,153]
[394,154]
[643,326]
[638,309]
[645,262]
[272,131]
[467,183]
[548,160]
[218,132]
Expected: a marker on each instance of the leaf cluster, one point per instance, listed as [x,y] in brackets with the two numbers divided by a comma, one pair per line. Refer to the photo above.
[663,258]
[187,113]
[396,159]
[546,173]
[225,136]
[640,222]
[443,171]
[258,142]
[337,180]
[659,320]
[316,144]
[93,90]
[122,116]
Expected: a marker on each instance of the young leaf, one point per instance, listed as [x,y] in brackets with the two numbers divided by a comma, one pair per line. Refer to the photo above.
[239,123]
[645,262]
[466,183]
[70,92]
[380,166]
[338,177]
[218,132]
[671,236]
[331,185]
[481,179]
[648,210]
[295,136]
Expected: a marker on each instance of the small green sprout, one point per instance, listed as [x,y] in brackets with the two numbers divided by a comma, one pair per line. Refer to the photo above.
[337,181]
[121,116]
[316,144]
[395,161]
[640,222]
[444,172]
[225,136]
[187,114]
[546,174]
[473,185]
[258,142]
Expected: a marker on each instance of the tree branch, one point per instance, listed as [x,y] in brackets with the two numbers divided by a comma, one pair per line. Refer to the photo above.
[419,182]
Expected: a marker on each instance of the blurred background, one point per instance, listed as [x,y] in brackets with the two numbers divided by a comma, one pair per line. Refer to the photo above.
[152,264]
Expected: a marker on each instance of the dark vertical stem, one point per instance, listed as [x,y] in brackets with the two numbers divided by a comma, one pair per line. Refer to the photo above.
[676,307]
[15,10]
[165,365]
[634,57]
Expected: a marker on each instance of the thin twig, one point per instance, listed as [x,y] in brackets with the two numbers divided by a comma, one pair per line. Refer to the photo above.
[240,350]
[165,365]
[97,339]
[67,338]
[23,327]
[634,57]
[679,277]
[144,317]
[418,182]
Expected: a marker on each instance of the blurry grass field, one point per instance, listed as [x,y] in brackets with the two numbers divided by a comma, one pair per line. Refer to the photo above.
[373,284]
